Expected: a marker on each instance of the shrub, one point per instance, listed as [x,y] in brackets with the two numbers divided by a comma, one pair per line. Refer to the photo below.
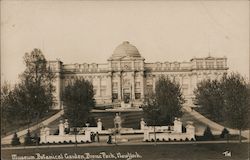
[56,132]
[36,139]
[224,133]
[207,135]
[28,139]
[15,140]
[66,131]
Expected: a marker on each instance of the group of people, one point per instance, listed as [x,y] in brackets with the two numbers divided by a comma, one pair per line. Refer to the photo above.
[94,137]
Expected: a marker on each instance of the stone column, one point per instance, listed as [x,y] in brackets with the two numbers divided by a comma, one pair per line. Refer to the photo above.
[119,87]
[98,90]
[142,124]
[100,84]
[181,79]
[66,124]
[177,125]
[99,125]
[109,86]
[194,81]
[142,85]
[190,91]
[133,86]
[87,135]
[154,81]
[61,128]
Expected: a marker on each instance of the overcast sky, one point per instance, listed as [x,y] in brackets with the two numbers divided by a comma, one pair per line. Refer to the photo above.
[84,31]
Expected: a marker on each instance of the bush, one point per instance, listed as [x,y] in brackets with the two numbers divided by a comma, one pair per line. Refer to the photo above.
[224,133]
[15,140]
[36,139]
[28,139]
[56,132]
[207,135]
[66,131]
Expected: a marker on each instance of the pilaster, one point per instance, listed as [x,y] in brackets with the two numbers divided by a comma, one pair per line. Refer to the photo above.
[133,86]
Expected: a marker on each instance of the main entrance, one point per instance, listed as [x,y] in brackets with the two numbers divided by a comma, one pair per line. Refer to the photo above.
[126,95]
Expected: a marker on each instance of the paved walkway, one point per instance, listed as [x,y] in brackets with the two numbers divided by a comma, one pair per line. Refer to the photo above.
[20,134]
[213,125]
[95,144]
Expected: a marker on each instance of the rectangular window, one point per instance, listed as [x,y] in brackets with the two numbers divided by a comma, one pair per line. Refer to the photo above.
[95,88]
[137,84]
[114,65]
[103,90]
[137,65]
[199,64]
[219,64]
[210,64]
[137,95]
[185,89]
[115,84]
[115,96]
[149,88]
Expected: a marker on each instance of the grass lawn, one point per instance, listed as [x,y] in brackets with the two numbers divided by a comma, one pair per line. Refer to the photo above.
[147,152]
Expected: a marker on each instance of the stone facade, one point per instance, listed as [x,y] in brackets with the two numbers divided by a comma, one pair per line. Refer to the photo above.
[127,77]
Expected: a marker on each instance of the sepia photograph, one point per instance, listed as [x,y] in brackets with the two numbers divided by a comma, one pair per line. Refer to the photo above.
[125,80]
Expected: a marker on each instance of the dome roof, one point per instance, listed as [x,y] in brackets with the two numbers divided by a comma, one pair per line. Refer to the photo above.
[125,49]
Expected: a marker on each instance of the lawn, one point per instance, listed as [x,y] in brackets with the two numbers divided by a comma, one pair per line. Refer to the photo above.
[144,152]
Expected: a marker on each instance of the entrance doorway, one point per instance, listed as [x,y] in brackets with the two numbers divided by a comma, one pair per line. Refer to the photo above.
[126,97]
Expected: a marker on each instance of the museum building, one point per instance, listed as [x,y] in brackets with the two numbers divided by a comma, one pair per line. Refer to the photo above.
[127,77]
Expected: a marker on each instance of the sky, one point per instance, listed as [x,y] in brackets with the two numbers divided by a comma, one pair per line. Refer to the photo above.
[88,31]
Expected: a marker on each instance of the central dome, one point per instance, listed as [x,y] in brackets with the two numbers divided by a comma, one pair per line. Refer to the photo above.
[125,49]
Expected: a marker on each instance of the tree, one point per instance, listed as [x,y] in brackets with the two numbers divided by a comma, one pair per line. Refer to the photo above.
[15,140]
[209,96]
[78,98]
[224,133]
[36,139]
[33,96]
[11,111]
[151,110]
[227,98]
[236,101]
[208,135]
[5,92]
[37,84]
[28,139]
[165,104]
